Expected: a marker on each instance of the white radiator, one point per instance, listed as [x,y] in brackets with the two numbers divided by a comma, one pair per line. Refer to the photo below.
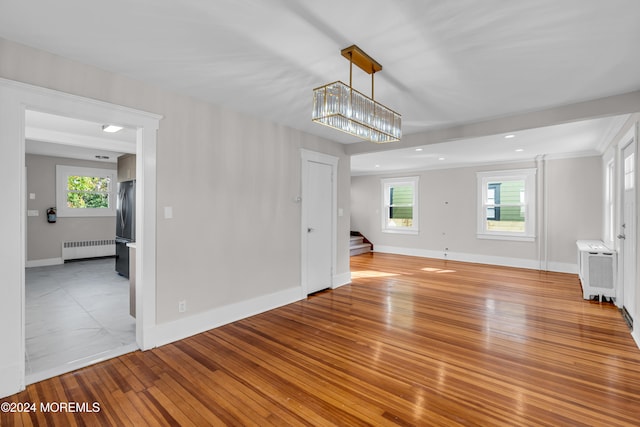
[88,249]
[597,269]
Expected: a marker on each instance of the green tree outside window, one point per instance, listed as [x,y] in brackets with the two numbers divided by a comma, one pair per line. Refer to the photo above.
[88,192]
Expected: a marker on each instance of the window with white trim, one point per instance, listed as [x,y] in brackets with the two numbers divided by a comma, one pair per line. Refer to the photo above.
[609,202]
[400,205]
[506,204]
[83,191]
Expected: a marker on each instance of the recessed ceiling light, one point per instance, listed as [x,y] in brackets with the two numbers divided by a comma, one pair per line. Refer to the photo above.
[111,128]
[519,150]
[509,136]
[419,149]
[440,158]
[377,166]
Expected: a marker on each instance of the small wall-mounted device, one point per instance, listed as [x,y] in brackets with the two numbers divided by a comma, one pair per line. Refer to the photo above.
[51,215]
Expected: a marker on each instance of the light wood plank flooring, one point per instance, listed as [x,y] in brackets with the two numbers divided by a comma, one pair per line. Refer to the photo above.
[412,341]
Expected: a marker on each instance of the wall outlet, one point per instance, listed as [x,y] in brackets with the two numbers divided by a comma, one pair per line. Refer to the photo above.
[182,306]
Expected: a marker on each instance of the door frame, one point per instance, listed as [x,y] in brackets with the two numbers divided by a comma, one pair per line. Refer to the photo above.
[628,139]
[15,99]
[309,156]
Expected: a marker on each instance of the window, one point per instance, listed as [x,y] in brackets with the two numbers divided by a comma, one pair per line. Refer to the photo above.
[82,191]
[400,205]
[493,200]
[609,201]
[629,172]
[506,207]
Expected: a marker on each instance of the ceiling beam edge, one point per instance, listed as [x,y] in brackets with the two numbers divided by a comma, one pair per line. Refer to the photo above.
[626,103]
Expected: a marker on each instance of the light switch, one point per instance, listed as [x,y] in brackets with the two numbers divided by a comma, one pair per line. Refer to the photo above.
[340,212]
[32,196]
[32,213]
[168,212]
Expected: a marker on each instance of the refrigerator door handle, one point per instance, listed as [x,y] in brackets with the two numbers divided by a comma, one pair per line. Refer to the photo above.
[123,206]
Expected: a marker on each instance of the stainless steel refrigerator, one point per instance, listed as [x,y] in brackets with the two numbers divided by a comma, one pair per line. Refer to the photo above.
[125,224]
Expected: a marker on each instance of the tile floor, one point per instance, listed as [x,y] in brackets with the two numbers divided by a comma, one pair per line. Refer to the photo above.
[76,314]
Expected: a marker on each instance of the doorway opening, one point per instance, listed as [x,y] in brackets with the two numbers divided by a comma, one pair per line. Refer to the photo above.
[77,308]
[15,99]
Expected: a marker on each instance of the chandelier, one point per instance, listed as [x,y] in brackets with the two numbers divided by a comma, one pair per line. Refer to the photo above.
[343,108]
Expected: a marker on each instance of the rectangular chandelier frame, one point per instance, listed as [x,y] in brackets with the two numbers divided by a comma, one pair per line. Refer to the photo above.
[343,108]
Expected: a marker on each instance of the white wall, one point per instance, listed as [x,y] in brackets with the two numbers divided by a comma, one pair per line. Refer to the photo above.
[448,215]
[231,181]
[575,194]
[233,245]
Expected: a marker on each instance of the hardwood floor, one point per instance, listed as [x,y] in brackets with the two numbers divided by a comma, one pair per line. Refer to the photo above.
[412,341]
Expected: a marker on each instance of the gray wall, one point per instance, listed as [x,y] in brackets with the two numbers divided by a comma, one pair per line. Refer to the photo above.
[575,197]
[43,239]
[448,214]
[231,180]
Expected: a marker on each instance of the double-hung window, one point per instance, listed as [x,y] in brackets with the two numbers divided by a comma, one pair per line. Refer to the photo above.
[506,204]
[400,205]
[82,191]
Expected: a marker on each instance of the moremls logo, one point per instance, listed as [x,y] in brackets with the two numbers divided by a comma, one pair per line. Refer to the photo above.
[69,407]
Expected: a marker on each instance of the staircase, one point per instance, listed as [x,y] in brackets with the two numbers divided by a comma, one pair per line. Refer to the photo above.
[358,245]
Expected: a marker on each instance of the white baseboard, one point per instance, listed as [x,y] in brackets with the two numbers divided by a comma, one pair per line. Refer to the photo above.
[478,258]
[636,336]
[341,279]
[44,262]
[11,380]
[179,329]
[563,267]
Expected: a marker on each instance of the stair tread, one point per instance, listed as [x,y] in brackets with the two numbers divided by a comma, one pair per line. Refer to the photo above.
[361,249]
[363,245]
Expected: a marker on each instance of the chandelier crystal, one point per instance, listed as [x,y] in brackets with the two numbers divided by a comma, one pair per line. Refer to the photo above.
[343,108]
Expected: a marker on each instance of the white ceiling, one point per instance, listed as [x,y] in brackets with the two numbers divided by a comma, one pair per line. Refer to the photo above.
[583,138]
[445,62]
[52,135]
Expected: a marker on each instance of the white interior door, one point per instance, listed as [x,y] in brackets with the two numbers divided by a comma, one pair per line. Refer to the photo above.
[319,199]
[628,232]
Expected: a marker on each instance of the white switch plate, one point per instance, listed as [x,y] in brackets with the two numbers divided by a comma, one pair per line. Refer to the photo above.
[340,212]
[182,306]
[32,196]
[32,213]
[168,212]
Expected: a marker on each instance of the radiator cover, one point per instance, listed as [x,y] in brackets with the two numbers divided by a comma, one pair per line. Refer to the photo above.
[597,269]
[88,249]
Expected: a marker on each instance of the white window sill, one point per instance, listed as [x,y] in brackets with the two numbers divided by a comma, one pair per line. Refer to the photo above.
[506,237]
[85,212]
[394,231]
